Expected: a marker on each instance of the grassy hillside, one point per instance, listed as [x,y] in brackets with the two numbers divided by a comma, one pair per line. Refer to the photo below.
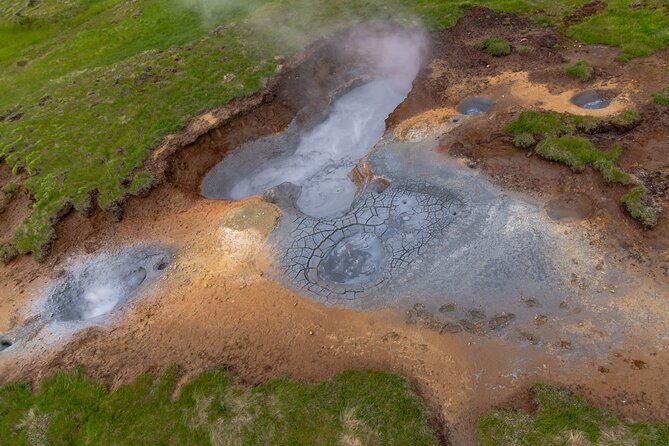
[88,87]
[357,407]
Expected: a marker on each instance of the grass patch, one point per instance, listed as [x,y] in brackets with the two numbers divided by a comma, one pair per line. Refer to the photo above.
[564,419]
[581,70]
[494,46]
[354,407]
[636,206]
[8,252]
[638,31]
[662,96]
[574,151]
[141,183]
[549,124]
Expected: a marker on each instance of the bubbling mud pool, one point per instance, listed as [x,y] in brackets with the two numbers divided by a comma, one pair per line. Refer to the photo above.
[475,105]
[90,290]
[318,160]
[593,99]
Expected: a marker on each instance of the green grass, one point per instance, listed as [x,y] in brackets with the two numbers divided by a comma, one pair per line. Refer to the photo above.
[574,151]
[581,70]
[97,83]
[354,407]
[638,31]
[565,419]
[549,124]
[638,208]
[141,183]
[662,96]
[494,46]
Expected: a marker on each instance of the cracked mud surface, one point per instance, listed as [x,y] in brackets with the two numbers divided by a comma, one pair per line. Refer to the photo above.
[392,226]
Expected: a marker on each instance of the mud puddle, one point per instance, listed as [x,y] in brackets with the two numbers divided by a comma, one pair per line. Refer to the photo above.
[90,291]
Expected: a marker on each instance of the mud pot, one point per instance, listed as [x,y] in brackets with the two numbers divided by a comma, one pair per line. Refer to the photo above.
[367,211]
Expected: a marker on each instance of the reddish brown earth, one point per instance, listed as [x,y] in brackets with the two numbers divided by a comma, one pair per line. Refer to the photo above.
[217,305]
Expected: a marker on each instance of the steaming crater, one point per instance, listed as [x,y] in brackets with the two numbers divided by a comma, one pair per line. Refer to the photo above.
[593,99]
[475,105]
[318,160]
[95,287]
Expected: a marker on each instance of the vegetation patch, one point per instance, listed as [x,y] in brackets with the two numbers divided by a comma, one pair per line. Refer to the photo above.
[355,407]
[564,419]
[8,252]
[494,46]
[560,137]
[581,70]
[662,96]
[574,151]
[638,31]
[634,202]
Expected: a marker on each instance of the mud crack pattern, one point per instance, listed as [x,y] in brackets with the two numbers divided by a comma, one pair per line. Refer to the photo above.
[348,257]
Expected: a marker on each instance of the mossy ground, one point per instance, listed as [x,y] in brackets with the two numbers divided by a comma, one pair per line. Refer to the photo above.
[581,70]
[662,96]
[564,419]
[562,137]
[88,87]
[355,407]
[494,46]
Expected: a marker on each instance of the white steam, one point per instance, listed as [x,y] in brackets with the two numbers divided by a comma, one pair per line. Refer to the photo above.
[327,153]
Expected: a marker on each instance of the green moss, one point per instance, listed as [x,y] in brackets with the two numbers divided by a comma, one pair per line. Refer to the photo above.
[8,252]
[637,208]
[628,118]
[524,140]
[141,183]
[10,189]
[354,407]
[574,151]
[662,96]
[563,418]
[581,70]
[613,174]
[494,46]
[547,124]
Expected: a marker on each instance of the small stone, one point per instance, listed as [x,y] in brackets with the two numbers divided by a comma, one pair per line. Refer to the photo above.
[540,319]
[501,320]
[447,307]
[311,333]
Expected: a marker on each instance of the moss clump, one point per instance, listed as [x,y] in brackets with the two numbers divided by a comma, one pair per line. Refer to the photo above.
[547,124]
[627,119]
[141,183]
[494,46]
[563,418]
[637,208]
[524,140]
[8,252]
[662,96]
[574,151]
[10,189]
[613,174]
[581,70]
